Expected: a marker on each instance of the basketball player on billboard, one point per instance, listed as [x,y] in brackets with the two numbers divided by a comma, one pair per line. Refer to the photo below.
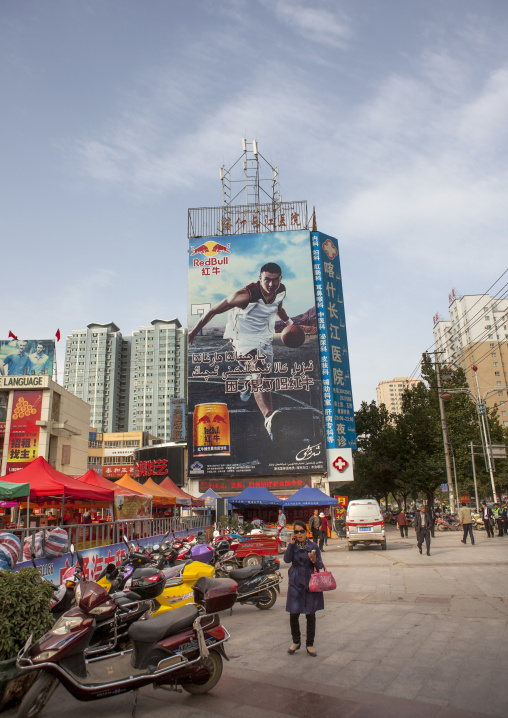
[251,326]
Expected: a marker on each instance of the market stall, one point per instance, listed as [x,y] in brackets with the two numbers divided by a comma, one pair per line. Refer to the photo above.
[128,504]
[256,503]
[10,496]
[51,488]
[182,497]
[303,503]
[160,497]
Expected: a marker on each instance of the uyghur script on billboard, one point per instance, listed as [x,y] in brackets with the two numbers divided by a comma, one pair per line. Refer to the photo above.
[254,389]
[177,419]
[20,357]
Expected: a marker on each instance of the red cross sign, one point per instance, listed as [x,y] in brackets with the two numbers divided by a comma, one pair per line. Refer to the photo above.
[340,464]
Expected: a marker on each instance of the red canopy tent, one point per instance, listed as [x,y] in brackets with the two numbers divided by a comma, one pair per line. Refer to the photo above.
[94,479]
[46,481]
[182,497]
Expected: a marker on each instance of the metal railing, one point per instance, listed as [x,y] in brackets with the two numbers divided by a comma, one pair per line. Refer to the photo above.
[245,219]
[85,536]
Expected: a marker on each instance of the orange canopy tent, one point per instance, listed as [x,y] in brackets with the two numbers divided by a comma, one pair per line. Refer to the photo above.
[160,497]
[150,485]
[182,497]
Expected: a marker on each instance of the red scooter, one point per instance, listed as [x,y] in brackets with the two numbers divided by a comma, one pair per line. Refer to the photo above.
[183,647]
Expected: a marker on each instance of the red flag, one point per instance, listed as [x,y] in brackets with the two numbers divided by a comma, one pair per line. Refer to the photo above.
[11,335]
[57,335]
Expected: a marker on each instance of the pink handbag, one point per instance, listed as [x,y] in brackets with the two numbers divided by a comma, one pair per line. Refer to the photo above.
[323,581]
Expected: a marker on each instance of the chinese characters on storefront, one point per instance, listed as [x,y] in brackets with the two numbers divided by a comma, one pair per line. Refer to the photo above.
[24,431]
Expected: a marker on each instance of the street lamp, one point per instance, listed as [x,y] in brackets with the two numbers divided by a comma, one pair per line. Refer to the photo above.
[482,420]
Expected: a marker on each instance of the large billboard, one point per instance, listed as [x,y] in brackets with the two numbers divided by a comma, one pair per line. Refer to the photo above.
[333,347]
[26,356]
[24,430]
[254,386]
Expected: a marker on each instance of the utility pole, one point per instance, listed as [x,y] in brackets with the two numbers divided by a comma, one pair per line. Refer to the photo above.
[474,478]
[446,441]
[484,433]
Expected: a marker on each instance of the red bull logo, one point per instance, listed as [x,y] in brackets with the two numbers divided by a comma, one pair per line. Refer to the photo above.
[210,250]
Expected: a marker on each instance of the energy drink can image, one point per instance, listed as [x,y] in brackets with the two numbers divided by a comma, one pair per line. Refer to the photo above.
[210,430]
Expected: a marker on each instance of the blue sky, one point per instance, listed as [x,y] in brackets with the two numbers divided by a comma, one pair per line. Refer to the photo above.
[389,117]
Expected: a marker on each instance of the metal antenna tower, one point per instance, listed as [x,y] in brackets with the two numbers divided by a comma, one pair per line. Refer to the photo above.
[257,189]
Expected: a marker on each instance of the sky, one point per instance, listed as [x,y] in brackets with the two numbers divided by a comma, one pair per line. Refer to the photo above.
[389,117]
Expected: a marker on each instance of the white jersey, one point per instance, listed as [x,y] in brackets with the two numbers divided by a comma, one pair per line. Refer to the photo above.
[254,324]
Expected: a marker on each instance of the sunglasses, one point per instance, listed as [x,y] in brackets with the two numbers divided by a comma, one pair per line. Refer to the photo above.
[300,532]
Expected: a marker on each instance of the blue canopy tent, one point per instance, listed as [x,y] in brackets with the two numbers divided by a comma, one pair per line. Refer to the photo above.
[255,496]
[210,499]
[307,496]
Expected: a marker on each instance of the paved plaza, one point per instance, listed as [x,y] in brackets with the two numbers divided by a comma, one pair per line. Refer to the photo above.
[403,635]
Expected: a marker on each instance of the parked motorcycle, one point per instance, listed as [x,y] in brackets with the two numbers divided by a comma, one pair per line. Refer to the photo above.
[257,584]
[183,647]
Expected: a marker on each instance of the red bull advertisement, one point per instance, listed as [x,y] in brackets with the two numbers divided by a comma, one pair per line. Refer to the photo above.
[255,404]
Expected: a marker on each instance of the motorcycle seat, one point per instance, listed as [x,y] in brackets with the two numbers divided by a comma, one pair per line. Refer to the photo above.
[167,624]
[123,598]
[241,573]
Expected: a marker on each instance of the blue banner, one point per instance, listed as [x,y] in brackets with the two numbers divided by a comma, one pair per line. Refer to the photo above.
[333,349]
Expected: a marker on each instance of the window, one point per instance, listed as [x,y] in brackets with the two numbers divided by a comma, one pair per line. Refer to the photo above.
[498,383]
[495,363]
[494,354]
[492,345]
[496,373]
[95,444]
[112,443]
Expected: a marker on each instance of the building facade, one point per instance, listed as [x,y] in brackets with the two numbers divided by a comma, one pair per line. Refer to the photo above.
[111,454]
[158,374]
[96,370]
[38,417]
[128,382]
[389,392]
[476,334]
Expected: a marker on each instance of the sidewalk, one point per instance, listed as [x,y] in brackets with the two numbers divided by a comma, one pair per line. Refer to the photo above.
[404,635]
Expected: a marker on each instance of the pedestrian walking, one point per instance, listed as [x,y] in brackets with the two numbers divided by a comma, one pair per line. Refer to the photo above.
[499,519]
[422,521]
[281,519]
[315,525]
[505,512]
[402,523]
[323,530]
[432,521]
[466,521]
[304,556]
[488,519]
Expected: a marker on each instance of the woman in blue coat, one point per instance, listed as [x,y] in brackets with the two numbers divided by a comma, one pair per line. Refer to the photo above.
[303,555]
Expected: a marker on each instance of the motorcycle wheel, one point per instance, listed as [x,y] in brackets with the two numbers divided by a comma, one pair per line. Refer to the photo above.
[214,665]
[37,695]
[252,560]
[267,604]
[441,528]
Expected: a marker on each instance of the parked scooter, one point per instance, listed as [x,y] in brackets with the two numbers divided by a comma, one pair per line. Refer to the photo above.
[257,584]
[183,647]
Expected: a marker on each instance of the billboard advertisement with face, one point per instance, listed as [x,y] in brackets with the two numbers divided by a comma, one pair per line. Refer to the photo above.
[254,383]
[26,356]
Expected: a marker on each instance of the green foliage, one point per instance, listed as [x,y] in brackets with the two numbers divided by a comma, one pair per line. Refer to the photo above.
[404,453]
[25,600]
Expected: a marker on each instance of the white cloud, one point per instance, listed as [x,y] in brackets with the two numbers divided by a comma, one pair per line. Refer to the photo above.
[330,27]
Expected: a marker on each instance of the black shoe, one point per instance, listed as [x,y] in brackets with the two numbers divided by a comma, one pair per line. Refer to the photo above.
[311,653]
[428,553]
[462,541]
[293,650]
[420,549]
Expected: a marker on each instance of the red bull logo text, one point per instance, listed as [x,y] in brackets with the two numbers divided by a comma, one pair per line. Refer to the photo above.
[210,250]
[210,430]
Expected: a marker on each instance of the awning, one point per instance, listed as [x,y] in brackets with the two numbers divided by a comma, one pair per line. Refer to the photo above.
[210,498]
[159,498]
[182,497]
[254,496]
[94,479]
[307,496]
[158,491]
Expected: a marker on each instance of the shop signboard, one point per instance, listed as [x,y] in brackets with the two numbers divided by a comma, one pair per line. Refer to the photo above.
[340,510]
[334,355]
[116,472]
[177,419]
[21,357]
[157,462]
[241,368]
[232,485]
[24,432]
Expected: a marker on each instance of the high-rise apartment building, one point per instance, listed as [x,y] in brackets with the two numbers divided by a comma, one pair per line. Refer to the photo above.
[390,392]
[128,381]
[158,373]
[476,335]
[95,371]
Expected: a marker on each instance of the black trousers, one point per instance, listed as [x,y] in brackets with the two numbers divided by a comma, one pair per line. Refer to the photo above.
[423,535]
[488,527]
[468,529]
[500,525]
[315,535]
[294,622]
[403,530]
[322,535]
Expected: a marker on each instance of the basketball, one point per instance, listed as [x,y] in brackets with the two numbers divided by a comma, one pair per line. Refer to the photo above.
[293,336]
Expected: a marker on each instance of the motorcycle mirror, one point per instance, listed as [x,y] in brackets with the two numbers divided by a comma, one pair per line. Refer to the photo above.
[80,561]
[125,540]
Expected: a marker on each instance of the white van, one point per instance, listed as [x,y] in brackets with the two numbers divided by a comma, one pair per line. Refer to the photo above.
[364,523]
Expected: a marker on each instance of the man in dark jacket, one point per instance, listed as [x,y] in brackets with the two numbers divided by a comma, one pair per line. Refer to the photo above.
[422,523]
[315,525]
[488,519]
